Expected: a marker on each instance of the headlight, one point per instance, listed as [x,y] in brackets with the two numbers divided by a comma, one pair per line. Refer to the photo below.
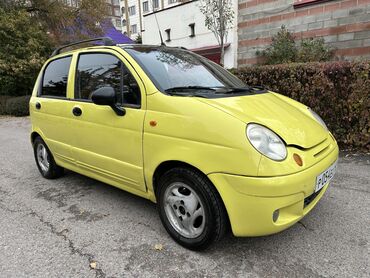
[266,142]
[318,118]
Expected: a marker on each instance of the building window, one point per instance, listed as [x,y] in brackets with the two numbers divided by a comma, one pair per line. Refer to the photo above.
[133,29]
[131,10]
[75,3]
[155,4]
[109,10]
[116,11]
[145,6]
[171,2]
[118,23]
[168,33]
[303,3]
[192,29]
[116,2]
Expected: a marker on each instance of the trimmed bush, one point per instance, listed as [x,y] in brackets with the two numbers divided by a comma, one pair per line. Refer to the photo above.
[18,106]
[3,100]
[338,91]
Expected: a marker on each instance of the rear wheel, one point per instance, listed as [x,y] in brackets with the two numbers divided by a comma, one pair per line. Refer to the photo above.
[45,160]
[190,208]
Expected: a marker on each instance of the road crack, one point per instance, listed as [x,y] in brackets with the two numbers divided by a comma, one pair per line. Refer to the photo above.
[99,273]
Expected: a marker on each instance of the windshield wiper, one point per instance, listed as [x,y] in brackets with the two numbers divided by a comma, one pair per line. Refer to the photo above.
[231,90]
[189,88]
[188,94]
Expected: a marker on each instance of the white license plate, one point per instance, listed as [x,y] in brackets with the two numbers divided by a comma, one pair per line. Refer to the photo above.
[325,177]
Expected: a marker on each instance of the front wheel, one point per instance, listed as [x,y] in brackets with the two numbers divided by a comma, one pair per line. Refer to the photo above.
[190,208]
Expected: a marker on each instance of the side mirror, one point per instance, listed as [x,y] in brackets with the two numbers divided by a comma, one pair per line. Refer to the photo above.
[107,96]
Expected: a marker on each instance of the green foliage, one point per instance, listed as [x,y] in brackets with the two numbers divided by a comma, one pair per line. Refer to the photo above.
[23,48]
[284,49]
[3,100]
[314,50]
[338,91]
[63,22]
[139,39]
[18,106]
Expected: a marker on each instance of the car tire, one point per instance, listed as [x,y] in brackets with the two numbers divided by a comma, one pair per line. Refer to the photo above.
[45,161]
[190,208]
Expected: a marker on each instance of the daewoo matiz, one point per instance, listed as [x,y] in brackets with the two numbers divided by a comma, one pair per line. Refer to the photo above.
[173,127]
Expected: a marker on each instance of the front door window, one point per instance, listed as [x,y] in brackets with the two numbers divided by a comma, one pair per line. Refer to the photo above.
[96,70]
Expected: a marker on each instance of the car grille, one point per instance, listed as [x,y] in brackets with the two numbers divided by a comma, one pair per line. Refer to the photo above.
[308,200]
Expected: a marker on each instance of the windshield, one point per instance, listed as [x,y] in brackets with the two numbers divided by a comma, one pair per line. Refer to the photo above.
[174,68]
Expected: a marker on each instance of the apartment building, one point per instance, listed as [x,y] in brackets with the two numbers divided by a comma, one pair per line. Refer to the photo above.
[183,25]
[114,13]
[133,12]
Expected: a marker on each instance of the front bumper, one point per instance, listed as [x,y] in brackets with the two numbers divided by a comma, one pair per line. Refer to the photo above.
[251,201]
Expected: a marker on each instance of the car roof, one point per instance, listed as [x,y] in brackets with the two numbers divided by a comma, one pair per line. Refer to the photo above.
[122,46]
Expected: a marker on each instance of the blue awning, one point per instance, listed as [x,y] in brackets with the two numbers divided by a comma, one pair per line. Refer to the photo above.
[110,31]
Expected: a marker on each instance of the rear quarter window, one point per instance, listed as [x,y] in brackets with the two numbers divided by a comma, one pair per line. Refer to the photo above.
[55,78]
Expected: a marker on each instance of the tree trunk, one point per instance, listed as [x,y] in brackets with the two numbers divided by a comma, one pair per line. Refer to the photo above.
[222,32]
[222,46]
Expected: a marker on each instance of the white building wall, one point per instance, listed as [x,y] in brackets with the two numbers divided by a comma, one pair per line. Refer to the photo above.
[135,19]
[178,19]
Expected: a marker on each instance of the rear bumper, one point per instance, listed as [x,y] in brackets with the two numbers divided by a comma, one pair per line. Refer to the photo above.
[252,201]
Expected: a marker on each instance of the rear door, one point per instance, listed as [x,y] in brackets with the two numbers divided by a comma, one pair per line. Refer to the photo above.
[50,108]
[106,144]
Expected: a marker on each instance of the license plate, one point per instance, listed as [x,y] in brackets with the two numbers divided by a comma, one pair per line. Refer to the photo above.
[325,177]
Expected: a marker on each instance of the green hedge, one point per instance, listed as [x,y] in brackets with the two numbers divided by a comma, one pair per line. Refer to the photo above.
[18,106]
[3,100]
[338,91]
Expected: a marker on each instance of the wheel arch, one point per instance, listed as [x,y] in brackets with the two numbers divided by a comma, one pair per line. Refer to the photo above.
[170,164]
[167,165]
[34,135]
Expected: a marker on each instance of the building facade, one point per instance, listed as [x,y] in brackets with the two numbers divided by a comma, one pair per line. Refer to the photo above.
[183,24]
[343,24]
[133,12]
[114,13]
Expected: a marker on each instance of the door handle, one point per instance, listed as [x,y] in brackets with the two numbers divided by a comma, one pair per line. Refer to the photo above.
[38,105]
[77,111]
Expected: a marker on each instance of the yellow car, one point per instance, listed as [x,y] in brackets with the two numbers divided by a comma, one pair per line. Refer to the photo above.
[173,127]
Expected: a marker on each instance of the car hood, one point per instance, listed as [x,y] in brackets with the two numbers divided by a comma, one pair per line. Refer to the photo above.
[289,119]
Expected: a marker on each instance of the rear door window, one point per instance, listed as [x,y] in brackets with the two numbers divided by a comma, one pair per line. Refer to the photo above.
[55,78]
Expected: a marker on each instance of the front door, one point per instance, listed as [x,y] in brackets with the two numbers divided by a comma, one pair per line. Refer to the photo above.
[106,144]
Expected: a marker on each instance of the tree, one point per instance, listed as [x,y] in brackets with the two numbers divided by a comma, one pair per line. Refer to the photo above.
[314,50]
[219,17]
[284,49]
[64,22]
[24,47]
[139,39]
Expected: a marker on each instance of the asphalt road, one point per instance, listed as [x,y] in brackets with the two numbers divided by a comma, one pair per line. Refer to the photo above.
[57,228]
